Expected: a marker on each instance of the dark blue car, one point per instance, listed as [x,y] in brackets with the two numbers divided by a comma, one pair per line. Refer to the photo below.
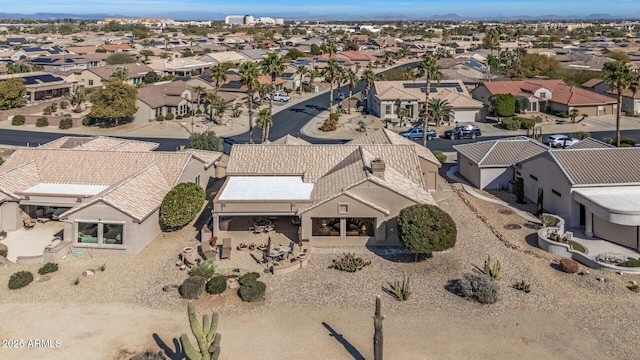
[416,133]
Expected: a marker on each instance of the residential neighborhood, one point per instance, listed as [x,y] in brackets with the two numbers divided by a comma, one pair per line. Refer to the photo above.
[289,175]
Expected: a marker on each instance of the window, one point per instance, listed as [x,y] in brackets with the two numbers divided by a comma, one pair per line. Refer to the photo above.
[360,226]
[533,177]
[325,227]
[158,111]
[100,233]
[556,193]
[197,179]
[387,109]
[90,82]
[543,95]
[343,208]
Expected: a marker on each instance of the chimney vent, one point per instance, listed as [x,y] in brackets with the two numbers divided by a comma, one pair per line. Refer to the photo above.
[377,168]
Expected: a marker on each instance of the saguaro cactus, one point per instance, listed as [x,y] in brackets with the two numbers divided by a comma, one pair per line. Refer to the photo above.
[377,335]
[206,335]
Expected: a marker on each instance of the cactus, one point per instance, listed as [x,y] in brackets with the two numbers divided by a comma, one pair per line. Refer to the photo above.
[401,289]
[377,335]
[206,336]
[492,269]
[349,262]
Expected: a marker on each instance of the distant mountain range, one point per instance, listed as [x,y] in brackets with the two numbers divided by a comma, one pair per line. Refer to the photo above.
[203,15]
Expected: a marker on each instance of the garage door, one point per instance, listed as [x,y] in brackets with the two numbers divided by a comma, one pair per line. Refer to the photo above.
[464,116]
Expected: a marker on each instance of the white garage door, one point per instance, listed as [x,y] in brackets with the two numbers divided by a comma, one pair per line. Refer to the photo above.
[466,116]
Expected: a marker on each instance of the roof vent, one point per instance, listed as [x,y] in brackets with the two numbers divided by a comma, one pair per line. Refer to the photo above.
[377,168]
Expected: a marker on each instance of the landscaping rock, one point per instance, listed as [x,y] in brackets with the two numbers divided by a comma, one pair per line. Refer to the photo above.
[569,266]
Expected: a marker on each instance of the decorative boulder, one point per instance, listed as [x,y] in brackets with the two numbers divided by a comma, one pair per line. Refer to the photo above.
[569,266]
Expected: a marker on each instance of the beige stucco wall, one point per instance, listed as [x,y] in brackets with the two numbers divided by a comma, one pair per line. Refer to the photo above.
[87,75]
[429,173]
[619,234]
[490,178]
[10,216]
[145,112]
[196,167]
[469,170]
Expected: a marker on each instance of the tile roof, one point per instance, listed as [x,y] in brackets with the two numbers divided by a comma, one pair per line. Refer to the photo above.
[573,95]
[385,136]
[413,91]
[289,140]
[134,70]
[593,82]
[501,152]
[101,143]
[560,91]
[163,94]
[600,166]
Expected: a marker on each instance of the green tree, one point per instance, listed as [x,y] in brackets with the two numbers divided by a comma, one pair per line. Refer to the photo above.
[120,74]
[264,121]
[430,69]
[198,91]
[12,93]
[618,55]
[491,40]
[119,59]
[181,205]
[503,104]
[369,77]
[302,71]
[146,53]
[573,114]
[440,110]
[352,80]
[220,106]
[78,99]
[315,49]
[151,77]
[17,68]
[114,103]
[618,76]
[207,140]
[294,54]
[272,65]
[249,75]
[218,74]
[423,229]
[331,74]
[408,73]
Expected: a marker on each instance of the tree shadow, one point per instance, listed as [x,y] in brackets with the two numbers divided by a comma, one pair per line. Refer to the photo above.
[453,286]
[532,240]
[298,110]
[344,342]
[398,254]
[177,354]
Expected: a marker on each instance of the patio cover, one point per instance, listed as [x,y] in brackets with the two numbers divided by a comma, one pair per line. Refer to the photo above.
[266,188]
[619,205]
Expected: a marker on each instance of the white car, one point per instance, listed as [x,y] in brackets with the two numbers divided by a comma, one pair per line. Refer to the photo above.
[561,141]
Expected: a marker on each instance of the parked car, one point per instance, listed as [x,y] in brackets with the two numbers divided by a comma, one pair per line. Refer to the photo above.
[461,132]
[278,97]
[561,141]
[417,133]
[342,96]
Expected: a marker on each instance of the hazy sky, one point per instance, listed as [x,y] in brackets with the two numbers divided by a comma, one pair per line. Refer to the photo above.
[352,7]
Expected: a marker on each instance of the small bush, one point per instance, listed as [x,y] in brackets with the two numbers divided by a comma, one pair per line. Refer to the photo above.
[150,355]
[569,266]
[179,117]
[248,278]
[349,263]
[64,105]
[526,123]
[629,112]
[634,287]
[583,135]
[510,124]
[48,268]
[624,141]
[549,221]
[522,286]
[65,123]
[181,205]
[631,263]
[217,285]
[253,291]
[440,156]
[4,250]
[88,121]
[42,122]
[192,287]
[329,125]
[205,269]
[20,279]
[159,118]
[479,287]
[18,120]
[169,116]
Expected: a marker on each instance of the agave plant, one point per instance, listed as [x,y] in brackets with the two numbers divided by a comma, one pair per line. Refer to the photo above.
[205,269]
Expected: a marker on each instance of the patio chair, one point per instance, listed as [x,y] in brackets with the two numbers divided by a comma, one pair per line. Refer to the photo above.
[226,249]
[207,251]
[28,223]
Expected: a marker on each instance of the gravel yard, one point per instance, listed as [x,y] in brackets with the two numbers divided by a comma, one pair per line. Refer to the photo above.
[565,315]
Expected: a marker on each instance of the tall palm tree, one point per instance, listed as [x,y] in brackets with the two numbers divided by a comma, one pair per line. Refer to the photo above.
[302,71]
[272,65]
[264,121]
[618,76]
[220,106]
[218,74]
[352,80]
[440,110]
[431,71]
[369,77]
[146,53]
[518,35]
[331,73]
[78,99]
[210,99]
[330,48]
[263,90]
[491,39]
[198,90]
[249,75]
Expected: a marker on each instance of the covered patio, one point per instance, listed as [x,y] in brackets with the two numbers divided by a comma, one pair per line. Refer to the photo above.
[28,246]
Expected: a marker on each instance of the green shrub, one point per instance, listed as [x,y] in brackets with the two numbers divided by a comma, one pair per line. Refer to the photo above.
[169,116]
[42,122]
[631,263]
[192,287]
[628,112]
[18,120]
[205,269]
[65,123]
[522,286]
[440,156]
[248,278]
[510,123]
[88,121]
[624,141]
[349,263]
[159,118]
[424,229]
[526,123]
[20,279]
[217,285]
[48,268]
[583,135]
[504,104]
[181,205]
[479,287]
[179,117]
[253,291]
[207,140]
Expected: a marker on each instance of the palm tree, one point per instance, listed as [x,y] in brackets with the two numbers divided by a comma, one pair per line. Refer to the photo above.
[431,71]
[573,114]
[218,74]
[78,99]
[369,77]
[518,34]
[491,39]
[402,113]
[330,47]
[220,106]
[618,76]
[249,75]
[408,73]
[199,90]
[210,99]
[264,121]
[440,110]
[302,71]
[263,90]
[331,73]
[352,80]
[272,65]
[121,74]
[146,53]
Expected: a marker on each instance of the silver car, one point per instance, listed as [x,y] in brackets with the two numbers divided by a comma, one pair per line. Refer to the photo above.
[561,141]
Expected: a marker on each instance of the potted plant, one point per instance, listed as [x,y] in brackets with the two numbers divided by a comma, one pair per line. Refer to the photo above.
[252,246]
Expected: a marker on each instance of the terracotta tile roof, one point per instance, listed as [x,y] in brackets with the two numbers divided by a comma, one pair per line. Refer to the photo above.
[599,166]
[520,88]
[101,143]
[591,83]
[501,152]
[357,56]
[134,70]
[116,47]
[573,95]
[388,137]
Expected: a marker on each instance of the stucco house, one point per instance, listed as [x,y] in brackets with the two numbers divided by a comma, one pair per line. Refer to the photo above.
[630,100]
[96,77]
[341,195]
[44,86]
[387,97]
[106,191]
[161,99]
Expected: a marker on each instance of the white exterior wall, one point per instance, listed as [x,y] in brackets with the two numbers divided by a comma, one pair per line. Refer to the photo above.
[619,234]
[469,170]
[490,178]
